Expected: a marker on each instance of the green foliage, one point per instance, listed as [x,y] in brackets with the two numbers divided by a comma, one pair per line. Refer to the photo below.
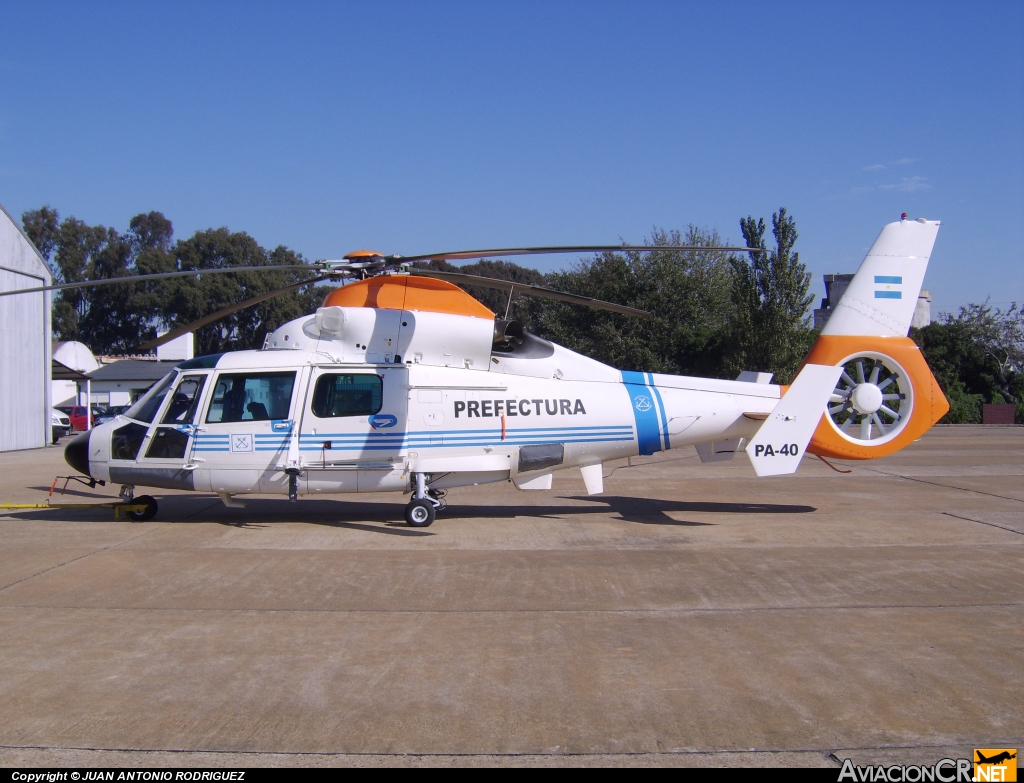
[118,318]
[770,330]
[190,299]
[977,357]
[687,294]
[523,308]
[75,252]
[42,226]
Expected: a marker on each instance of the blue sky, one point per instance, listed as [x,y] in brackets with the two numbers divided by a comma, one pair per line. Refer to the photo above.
[415,127]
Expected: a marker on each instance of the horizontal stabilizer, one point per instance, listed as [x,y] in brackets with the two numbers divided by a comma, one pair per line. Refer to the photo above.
[780,442]
[749,376]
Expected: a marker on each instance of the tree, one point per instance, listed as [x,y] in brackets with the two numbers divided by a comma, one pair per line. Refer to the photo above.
[977,356]
[42,226]
[522,308]
[770,330]
[687,294]
[117,319]
[191,298]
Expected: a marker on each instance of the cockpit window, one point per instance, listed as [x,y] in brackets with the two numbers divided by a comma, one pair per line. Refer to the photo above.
[184,401]
[145,409]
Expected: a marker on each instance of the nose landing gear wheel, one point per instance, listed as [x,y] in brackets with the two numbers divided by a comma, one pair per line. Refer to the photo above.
[148,512]
[419,513]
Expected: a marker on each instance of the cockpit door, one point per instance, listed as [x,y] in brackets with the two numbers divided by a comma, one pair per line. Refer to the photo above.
[172,438]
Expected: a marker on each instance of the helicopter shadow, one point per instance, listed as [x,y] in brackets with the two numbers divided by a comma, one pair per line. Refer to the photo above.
[361,515]
[386,518]
[648,511]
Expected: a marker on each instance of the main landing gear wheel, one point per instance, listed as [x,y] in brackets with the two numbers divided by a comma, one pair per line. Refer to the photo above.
[420,513]
[873,400]
[148,512]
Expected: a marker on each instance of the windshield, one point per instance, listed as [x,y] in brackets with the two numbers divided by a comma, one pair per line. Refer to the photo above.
[147,406]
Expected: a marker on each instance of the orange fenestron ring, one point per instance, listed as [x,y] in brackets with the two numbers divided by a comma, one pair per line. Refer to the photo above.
[929,404]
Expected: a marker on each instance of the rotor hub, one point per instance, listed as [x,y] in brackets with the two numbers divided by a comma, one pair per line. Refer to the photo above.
[866,398]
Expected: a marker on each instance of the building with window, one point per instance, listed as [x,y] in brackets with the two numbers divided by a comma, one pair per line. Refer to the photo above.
[120,382]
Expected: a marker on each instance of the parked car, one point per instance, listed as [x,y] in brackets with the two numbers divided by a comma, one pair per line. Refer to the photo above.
[77,414]
[112,412]
[60,423]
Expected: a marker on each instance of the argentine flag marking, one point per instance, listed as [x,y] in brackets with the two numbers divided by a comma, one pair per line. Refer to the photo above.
[888,281]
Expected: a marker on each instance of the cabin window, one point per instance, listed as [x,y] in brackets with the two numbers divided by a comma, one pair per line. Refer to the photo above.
[347,395]
[251,397]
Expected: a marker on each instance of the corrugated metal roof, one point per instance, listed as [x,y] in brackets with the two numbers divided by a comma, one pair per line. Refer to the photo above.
[133,370]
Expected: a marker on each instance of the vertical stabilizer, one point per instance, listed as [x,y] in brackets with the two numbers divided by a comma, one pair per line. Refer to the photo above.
[882,296]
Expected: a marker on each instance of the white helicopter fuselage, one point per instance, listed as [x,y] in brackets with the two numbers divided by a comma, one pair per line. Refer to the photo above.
[404,383]
[410,393]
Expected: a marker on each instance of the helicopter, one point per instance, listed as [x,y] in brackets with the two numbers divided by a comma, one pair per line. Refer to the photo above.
[403,382]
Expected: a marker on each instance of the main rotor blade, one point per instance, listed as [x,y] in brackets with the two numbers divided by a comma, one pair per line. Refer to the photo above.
[459,255]
[532,290]
[223,313]
[158,275]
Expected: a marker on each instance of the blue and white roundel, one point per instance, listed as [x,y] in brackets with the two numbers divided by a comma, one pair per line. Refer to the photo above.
[642,403]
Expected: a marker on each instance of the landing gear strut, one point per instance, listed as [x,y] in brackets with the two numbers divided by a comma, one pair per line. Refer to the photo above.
[293,484]
[128,496]
[425,503]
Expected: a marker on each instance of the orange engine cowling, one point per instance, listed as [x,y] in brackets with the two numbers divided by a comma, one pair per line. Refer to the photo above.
[887,396]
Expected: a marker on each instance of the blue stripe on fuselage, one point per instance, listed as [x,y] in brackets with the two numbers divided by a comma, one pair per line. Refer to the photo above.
[645,412]
[661,410]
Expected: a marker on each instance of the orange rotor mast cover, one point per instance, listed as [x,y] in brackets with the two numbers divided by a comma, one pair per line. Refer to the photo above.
[403,292]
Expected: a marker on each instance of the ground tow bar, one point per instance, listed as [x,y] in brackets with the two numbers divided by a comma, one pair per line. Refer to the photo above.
[133,509]
[138,509]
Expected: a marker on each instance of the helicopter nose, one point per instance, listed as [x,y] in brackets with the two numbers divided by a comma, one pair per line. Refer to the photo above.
[76,453]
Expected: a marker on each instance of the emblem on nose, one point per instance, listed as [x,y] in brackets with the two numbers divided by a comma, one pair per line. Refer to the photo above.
[642,403]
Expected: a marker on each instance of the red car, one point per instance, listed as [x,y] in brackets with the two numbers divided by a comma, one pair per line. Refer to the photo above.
[77,414]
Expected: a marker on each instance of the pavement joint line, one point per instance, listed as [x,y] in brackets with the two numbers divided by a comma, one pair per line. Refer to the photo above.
[717,610]
[990,524]
[200,511]
[75,559]
[828,752]
[939,484]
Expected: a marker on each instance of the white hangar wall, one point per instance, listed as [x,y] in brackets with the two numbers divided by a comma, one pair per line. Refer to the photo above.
[24,342]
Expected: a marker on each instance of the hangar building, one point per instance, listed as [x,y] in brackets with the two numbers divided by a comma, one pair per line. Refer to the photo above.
[24,342]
